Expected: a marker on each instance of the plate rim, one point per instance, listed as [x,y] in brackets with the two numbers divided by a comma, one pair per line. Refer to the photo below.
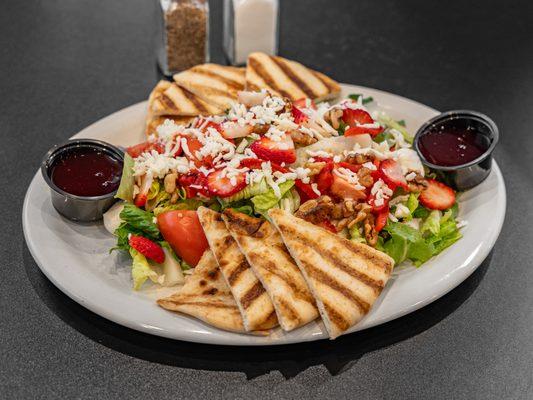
[205,339]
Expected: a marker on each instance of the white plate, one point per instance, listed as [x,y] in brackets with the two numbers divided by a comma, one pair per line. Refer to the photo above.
[75,257]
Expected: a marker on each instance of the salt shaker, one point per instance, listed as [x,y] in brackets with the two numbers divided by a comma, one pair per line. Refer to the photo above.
[250,25]
[184,35]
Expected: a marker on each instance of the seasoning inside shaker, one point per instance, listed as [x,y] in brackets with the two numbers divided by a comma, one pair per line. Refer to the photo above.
[184,36]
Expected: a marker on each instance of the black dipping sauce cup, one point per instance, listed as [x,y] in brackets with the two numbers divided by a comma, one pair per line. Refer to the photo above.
[73,207]
[472,173]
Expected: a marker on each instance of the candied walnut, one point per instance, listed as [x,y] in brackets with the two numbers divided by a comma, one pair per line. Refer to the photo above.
[317,210]
[260,129]
[371,235]
[363,210]
[301,139]
[365,177]
[417,184]
[314,167]
[334,116]
[359,159]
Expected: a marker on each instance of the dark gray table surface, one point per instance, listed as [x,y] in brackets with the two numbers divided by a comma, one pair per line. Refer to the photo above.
[65,64]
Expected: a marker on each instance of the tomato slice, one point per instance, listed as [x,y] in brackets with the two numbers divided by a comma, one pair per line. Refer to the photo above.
[182,230]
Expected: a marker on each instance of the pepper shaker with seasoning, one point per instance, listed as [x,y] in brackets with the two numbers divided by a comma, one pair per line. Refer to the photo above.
[250,25]
[184,40]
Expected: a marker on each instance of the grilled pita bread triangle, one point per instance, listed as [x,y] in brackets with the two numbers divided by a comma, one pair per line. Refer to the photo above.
[288,78]
[169,99]
[215,84]
[345,277]
[206,296]
[263,247]
[254,304]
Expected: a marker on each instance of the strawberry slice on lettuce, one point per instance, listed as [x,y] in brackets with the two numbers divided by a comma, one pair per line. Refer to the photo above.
[277,151]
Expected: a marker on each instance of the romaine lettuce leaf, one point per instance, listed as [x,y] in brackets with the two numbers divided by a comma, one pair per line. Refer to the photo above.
[264,202]
[431,223]
[384,119]
[140,270]
[140,220]
[127,181]
[246,193]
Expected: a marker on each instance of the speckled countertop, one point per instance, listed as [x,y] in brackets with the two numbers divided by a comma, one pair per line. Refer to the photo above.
[65,64]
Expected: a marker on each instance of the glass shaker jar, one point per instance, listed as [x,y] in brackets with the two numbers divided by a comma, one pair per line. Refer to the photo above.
[184,36]
[249,26]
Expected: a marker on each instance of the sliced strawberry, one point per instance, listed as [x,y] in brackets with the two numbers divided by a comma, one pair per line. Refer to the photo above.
[392,174]
[252,163]
[256,163]
[147,248]
[305,191]
[381,219]
[356,117]
[196,179]
[276,151]
[323,159]
[361,130]
[324,179]
[378,205]
[327,225]
[136,150]
[221,186]
[194,145]
[351,167]
[345,190]
[437,196]
[299,116]
[302,103]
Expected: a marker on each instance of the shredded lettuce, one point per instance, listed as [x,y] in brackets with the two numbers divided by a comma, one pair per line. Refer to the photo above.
[127,181]
[264,202]
[384,119]
[141,270]
[437,232]
[432,223]
[355,234]
[290,201]
[246,193]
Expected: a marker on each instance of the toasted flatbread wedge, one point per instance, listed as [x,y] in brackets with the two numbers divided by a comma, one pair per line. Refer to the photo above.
[263,247]
[345,277]
[152,122]
[288,78]
[206,296]
[253,301]
[215,84]
[170,99]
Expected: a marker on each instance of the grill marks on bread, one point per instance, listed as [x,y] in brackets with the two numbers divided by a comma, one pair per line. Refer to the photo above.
[288,78]
[265,252]
[215,84]
[254,303]
[206,296]
[345,277]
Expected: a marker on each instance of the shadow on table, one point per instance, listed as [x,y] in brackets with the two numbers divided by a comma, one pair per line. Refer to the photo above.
[337,356]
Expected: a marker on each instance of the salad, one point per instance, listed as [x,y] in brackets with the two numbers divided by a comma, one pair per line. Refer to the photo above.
[342,167]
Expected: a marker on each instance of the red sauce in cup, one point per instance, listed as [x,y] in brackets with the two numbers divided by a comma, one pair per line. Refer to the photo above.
[86,171]
[451,145]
